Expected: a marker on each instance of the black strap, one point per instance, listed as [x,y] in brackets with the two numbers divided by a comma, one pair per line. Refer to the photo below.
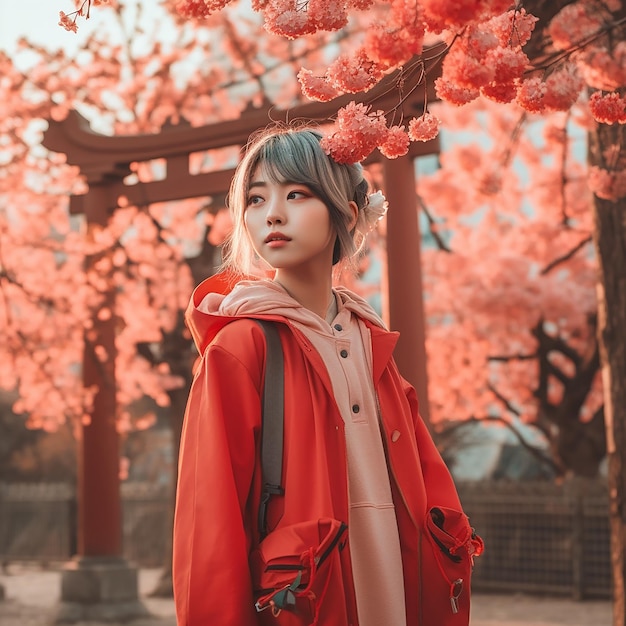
[271,422]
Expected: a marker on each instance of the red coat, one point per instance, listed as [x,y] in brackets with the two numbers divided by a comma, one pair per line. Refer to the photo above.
[215,527]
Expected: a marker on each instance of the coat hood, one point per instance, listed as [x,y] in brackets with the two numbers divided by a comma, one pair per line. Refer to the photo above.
[224,297]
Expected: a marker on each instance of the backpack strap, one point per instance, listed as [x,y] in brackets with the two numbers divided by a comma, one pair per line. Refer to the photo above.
[272,418]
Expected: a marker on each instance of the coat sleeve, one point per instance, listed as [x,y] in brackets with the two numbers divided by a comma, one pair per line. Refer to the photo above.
[217,461]
[440,488]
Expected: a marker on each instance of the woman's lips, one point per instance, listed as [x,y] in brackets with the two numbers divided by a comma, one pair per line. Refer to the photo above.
[276,240]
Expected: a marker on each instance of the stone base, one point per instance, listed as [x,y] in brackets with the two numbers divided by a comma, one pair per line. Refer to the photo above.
[99,589]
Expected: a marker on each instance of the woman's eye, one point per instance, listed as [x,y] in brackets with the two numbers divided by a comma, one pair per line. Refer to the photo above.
[296,193]
[254,200]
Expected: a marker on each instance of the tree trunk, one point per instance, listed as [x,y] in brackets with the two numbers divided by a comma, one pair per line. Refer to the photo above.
[610,244]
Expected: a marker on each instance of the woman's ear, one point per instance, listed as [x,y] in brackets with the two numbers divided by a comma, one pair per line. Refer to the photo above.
[354,209]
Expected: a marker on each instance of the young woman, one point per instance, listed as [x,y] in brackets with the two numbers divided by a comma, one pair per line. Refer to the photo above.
[369,530]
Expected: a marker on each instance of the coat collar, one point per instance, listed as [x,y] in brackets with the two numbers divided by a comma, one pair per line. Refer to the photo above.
[383,345]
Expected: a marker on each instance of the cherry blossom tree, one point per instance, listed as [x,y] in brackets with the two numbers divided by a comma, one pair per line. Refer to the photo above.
[126,78]
[512,253]
[542,56]
[126,81]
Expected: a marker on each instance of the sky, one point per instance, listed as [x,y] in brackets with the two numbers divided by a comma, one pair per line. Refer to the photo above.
[38,21]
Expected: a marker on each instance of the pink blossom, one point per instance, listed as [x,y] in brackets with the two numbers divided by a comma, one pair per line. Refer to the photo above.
[407,13]
[381,45]
[343,149]
[466,71]
[513,28]
[289,23]
[400,37]
[424,128]
[436,25]
[572,24]
[508,63]
[391,47]
[608,185]
[316,87]
[67,23]
[557,93]
[607,109]
[396,143]
[328,14]
[500,92]
[355,134]
[454,94]
[199,9]
[490,183]
[563,87]
[360,5]
[602,69]
[531,95]
[476,42]
[354,73]
[495,7]
[440,14]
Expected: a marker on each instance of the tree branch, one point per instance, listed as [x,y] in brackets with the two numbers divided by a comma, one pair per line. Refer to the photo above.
[504,358]
[537,453]
[441,244]
[565,257]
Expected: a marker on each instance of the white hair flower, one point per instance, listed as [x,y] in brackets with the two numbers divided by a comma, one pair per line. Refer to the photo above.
[375,209]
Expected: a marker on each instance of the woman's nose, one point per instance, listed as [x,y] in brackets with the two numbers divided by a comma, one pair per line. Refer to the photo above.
[275,213]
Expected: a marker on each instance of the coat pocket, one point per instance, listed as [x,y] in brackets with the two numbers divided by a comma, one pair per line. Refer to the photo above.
[293,566]
[455,544]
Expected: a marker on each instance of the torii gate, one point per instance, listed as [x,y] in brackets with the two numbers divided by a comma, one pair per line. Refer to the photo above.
[99,583]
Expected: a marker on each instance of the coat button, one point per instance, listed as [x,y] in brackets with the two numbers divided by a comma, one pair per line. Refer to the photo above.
[356,408]
[395,435]
[344,354]
[338,327]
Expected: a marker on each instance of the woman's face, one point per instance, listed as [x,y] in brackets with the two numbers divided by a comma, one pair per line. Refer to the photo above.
[288,225]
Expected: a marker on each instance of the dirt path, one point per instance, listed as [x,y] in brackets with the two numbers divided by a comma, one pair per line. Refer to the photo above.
[32,595]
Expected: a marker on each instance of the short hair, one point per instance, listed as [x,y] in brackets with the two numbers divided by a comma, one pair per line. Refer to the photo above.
[294,154]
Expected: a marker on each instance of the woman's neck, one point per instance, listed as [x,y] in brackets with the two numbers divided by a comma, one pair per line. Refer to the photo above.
[315,295]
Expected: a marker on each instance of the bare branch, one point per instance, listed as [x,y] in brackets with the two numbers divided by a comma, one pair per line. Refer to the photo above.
[505,358]
[565,257]
[441,244]
[507,403]
[536,452]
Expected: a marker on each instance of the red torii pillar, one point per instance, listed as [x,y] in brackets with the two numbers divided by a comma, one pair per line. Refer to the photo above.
[404,275]
[99,583]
